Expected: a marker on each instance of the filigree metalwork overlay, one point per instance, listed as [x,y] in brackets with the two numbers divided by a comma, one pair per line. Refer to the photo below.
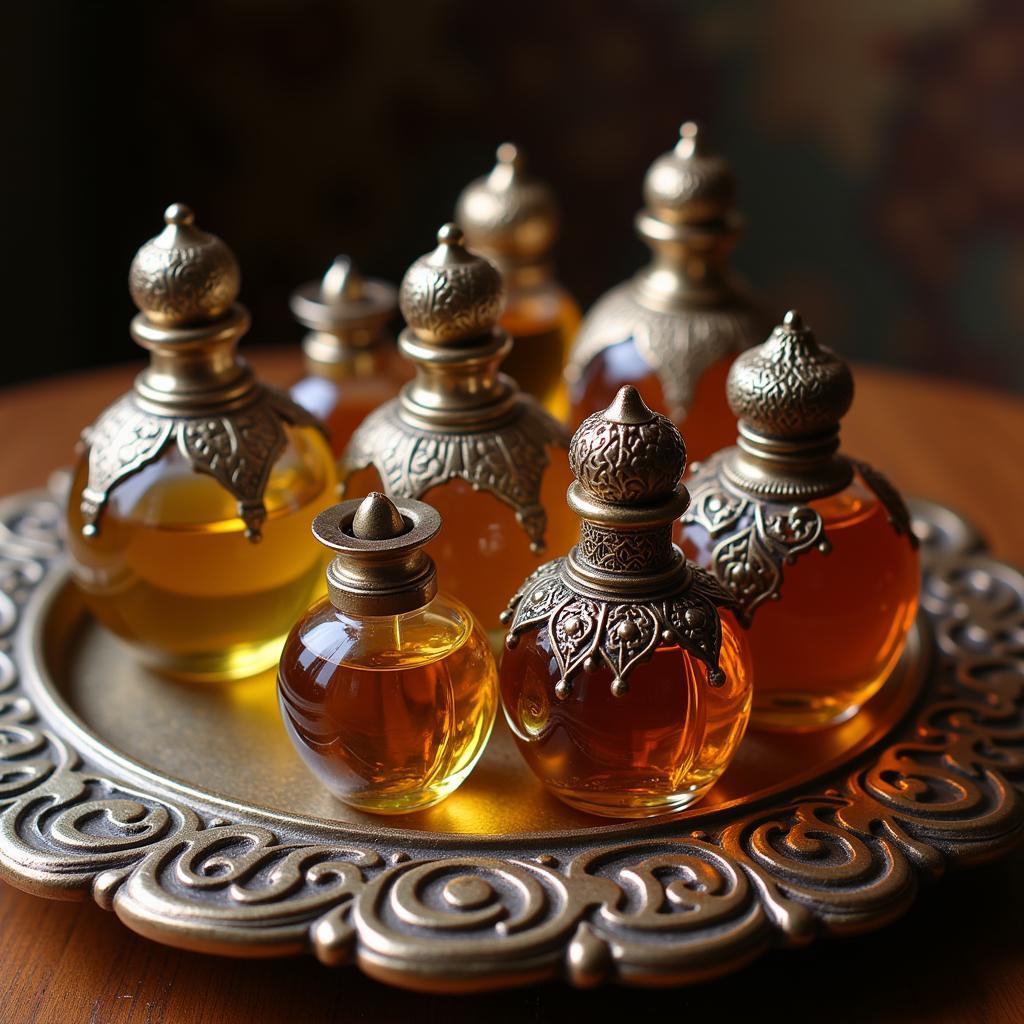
[237,447]
[664,901]
[678,346]
[507,461]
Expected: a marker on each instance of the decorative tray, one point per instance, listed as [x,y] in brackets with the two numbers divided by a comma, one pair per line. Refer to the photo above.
[185,810]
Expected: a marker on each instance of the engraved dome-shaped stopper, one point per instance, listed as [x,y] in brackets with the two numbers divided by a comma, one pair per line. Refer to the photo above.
[627,454]
[790,386]
[509,214]
[451,295]
[689,185]
[183,277]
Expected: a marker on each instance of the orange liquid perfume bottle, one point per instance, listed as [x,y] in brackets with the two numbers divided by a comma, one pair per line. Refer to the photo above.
[183,474]
[674,329]
[815,547]
[388,689]
[626,680]
[513,219]
[352,365]
[464,438]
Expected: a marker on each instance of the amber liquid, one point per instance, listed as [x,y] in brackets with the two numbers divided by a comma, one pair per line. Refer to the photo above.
[654,750]
[391,713]
[482,554]
[709,424]
[831,640]
[343,394]
[172,572]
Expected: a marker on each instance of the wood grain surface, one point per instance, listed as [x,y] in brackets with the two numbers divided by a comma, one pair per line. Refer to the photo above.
[958,955]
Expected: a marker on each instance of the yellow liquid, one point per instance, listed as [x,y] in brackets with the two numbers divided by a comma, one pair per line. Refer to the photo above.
[391,713]
[172,572]
[656,749]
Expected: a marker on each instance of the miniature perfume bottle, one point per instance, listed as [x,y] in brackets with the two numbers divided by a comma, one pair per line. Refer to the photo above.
[626,680]
[824,639]
[674,329]
[352,365]
[388,689]
[513,219]
[184,473]
[463,437]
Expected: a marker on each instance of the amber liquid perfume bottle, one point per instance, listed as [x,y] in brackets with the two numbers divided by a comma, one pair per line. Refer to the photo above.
[815,547]
[464,438]
[387,688]
[674,329]
[352,365]
[626,680]
[181,476]
[513,219]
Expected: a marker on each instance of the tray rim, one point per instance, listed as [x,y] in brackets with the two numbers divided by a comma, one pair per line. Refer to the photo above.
[656,902]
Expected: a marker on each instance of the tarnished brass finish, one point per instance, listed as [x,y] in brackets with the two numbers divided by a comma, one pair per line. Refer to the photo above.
[684,310]
[625,587]
[459,417]
[183,809]
[196,391]
[380,567]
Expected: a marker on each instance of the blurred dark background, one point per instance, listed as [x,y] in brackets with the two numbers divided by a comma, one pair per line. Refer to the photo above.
[879,147]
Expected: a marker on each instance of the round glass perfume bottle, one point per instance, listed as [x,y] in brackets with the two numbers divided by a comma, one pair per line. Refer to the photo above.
[388,689]
[513,219]
[462,436]
[785,502]
[181,476]
[626,679]
[352,365]
[674,329]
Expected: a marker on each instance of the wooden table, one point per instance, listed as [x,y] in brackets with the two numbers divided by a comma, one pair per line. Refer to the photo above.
[957,956]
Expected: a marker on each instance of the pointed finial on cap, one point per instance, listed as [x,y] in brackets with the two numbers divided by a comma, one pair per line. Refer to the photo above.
[691,142]
[342,282]
[377,518]
[179,213]
[793,320]
[628,407]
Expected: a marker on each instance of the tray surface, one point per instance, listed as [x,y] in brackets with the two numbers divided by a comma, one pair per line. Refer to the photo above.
[185,809]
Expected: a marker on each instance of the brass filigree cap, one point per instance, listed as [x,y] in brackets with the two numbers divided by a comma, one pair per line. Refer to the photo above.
[509,215]
[343,310]
[452,296]
[380,567]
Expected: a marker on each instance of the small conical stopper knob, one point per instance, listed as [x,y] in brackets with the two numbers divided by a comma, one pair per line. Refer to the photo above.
[343,303]
[342,282]
[377,518]
[452,295]
[183,277]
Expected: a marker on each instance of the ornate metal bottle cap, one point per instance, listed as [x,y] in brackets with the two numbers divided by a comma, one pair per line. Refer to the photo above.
[342,311]
[380,567]
[509,215]
[625,589]
[472,419]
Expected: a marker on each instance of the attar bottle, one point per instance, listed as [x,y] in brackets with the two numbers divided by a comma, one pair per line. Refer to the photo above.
[513,219]
[626,680]
[815,547]
[352,365]
[674,329]
[187,518]
[462,436]
[388,688]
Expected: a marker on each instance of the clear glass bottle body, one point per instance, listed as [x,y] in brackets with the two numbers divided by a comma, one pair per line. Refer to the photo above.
[482,553]
[343,393]
[543,321]
[654,750]
[172,573]
[390,712]
[709,424]
[841,621]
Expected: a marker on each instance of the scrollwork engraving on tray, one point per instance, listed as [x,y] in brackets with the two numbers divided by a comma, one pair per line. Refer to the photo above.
[657,902]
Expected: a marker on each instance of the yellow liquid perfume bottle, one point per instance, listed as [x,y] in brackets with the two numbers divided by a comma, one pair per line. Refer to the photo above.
[181,476]
[512,218]
[675,327]
[464,438]
[352,365]
[626,680]
[815,547]
[388,689]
